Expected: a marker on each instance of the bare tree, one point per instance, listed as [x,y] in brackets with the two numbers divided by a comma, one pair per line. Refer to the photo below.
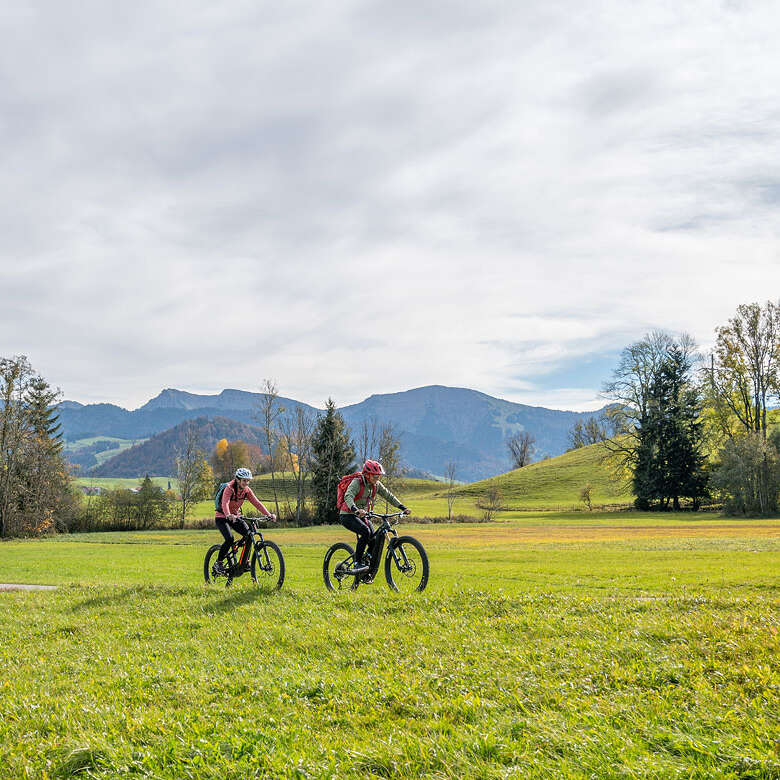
[367,442]
[586,496]
[490,503]
[296,431]
[390,455]
[521,448]
[268,412]
[450,469]
[192,471]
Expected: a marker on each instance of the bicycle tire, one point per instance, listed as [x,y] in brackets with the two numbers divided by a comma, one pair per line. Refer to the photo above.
[333,582]
[262,576]
[208,562]
[416,578]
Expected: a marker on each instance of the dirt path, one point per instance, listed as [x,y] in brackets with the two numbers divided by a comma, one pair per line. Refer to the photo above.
[11,586]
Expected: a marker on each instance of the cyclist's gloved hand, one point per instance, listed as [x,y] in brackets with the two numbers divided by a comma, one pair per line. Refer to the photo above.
[271,517]
[407,511]
[361,513]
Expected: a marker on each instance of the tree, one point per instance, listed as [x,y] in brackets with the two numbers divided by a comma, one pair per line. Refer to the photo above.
[490,503]
[195,476]
[152,504]
[230,455]
[390,456]
[740,475]
[586,496]
[744,374]
[297,436]
[333,456]
[745,365]
[368,439]
[592,431]
[268,413]
[521,448]
[630,390]
[450,469]
[35,489]
[669,461]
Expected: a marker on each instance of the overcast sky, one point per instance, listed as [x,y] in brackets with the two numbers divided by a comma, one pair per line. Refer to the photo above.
[355,198]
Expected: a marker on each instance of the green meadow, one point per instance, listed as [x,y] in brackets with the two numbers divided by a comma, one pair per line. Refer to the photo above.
[556,644]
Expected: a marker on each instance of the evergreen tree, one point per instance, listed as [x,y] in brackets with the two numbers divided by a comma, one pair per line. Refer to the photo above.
[670,463]
[333,456]
[41,407]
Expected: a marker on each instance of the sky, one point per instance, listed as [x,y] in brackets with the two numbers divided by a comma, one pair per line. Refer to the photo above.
[352,198]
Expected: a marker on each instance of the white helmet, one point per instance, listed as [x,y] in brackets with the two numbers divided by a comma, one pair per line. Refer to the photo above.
[243,474]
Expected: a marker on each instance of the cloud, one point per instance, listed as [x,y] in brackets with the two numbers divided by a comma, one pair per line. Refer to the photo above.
[369,197]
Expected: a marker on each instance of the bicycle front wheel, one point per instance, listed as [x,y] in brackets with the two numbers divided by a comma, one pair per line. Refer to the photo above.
[406,565]
[268,566]
[335,568]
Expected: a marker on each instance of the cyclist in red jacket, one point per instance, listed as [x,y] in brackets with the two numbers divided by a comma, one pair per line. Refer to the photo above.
[359,501]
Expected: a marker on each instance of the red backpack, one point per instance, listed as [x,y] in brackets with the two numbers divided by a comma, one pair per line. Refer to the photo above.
[344,483]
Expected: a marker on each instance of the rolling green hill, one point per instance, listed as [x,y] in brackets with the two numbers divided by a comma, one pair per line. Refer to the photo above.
[556,482]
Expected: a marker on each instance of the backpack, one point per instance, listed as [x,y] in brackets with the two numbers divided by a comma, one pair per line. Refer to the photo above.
[344,483]
[220,491]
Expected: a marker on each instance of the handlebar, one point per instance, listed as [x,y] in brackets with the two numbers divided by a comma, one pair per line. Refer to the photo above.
[386,518]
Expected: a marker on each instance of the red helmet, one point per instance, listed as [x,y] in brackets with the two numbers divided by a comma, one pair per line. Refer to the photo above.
[373,467]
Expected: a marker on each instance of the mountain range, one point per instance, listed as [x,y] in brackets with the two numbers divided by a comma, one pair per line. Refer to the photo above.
[435,425]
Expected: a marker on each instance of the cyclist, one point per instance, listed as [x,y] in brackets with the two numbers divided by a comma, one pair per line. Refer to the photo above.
[233,496]
[358,502]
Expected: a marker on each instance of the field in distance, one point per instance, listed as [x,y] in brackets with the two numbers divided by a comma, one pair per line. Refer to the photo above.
[552,484]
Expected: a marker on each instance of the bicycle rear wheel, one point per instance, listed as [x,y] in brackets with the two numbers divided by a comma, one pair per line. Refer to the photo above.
[406,565]
[335,567]
[209,575]
[268,565]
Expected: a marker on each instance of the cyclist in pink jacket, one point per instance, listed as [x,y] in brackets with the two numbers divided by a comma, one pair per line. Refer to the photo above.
[229,514]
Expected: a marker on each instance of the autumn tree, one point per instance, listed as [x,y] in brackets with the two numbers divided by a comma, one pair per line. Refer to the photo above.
[744,371]
[230,455]
[743,376]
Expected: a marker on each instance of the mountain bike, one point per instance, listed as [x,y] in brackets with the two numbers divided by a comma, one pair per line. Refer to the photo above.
[406,562]
[266,566]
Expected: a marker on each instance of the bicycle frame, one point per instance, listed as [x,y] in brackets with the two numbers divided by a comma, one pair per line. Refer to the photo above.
[245,544]
[385,531]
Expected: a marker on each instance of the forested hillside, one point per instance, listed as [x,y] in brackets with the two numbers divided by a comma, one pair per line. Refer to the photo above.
[157,456]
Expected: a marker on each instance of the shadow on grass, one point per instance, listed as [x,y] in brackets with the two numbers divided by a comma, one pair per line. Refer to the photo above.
[238,598]
[112,595]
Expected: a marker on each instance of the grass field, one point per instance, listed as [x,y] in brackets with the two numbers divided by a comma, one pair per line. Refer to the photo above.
[554,645]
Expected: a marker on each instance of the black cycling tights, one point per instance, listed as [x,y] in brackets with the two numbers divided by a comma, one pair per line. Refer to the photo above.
[362,529]
[222,523]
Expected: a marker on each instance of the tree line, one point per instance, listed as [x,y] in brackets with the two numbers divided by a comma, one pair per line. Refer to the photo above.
[687,427]
[305,455]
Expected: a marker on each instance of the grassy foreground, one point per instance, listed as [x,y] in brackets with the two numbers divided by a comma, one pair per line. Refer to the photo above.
[630,646]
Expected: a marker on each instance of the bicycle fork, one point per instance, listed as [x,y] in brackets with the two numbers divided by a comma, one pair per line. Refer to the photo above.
[401,561]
